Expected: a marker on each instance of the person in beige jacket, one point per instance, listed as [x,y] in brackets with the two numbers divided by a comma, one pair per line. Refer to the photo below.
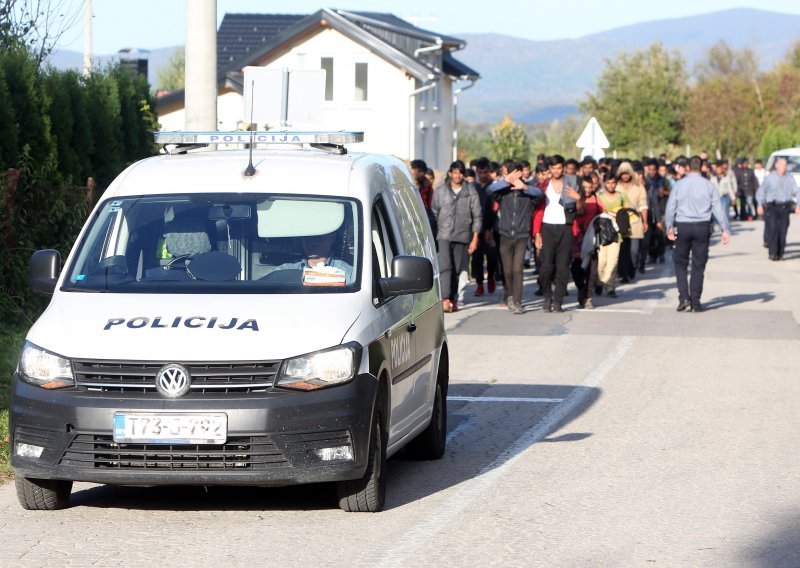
[629,252]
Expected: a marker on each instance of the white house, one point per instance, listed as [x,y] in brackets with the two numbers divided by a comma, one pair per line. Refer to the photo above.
[384,76]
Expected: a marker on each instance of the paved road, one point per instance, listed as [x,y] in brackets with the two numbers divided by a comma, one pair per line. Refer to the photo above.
[630,435]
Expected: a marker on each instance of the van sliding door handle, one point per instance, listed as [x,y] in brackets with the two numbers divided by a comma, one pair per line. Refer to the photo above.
[412,327]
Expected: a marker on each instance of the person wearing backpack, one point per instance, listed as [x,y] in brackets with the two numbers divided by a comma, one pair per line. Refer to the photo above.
[614,202]
[584,266]
[628,183]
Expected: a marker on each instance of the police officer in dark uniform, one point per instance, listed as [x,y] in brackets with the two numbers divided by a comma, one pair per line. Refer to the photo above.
[777,192]
[692,203]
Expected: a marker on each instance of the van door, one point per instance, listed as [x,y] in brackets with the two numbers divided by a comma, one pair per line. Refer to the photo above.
[427,318]
[397,312]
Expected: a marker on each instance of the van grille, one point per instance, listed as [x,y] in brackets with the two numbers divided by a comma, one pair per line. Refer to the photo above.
[212,378]
[98,451]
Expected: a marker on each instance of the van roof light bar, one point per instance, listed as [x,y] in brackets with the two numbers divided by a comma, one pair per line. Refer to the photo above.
[334,138]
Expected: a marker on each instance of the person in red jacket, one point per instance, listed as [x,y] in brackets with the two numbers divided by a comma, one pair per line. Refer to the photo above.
[552,233]
[585,274]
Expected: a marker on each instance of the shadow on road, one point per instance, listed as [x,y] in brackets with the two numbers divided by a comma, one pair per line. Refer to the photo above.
[501,430]
[779,549]
[482,435]
[725,301]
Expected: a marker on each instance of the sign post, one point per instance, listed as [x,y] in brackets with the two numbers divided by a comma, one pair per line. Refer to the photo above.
[593,141]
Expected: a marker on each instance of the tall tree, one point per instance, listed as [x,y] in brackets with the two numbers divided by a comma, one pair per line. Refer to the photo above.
[107,151]
[36,25]
[138,120]
[69,119]
[727,109]
[9,148]
[509,140]
[640,99]
[172,76]
[29,101]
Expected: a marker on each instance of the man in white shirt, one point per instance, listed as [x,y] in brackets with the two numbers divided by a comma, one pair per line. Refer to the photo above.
[552,228]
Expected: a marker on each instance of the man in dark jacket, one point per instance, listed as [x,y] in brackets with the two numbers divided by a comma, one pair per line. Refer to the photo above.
[486,244]
[747,185]
[517,200]
[456,208]
[419,169]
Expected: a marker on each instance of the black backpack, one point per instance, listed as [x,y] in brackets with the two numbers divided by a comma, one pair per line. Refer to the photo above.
[605,231]
[624,221]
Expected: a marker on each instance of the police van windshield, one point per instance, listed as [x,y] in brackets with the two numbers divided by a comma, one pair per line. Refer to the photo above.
[220,243]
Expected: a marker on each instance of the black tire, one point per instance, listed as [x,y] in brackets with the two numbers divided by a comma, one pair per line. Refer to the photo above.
[368,494]
[430,443]
[43,494]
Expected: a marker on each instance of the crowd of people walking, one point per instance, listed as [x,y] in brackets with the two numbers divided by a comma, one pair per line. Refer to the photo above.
[600,222]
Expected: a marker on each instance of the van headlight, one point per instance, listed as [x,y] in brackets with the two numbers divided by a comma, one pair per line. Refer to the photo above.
[320,369]
[44,369]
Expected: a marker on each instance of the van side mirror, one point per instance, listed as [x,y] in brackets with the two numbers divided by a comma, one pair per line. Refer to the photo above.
[412,275]
[44,268]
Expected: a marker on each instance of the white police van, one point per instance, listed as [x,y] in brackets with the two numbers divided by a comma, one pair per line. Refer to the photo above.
[216,324]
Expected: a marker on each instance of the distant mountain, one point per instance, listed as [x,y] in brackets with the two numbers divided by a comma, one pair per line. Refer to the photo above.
[536,80]
[540,81]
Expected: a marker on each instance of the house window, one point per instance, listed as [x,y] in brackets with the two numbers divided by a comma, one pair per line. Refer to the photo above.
[435,95]
[361,82]
[326,63]
[423,99]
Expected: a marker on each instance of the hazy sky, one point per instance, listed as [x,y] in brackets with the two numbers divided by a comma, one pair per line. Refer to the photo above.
[151,24]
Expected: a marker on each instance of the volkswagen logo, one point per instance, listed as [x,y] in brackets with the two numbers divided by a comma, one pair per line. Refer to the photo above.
[173,380]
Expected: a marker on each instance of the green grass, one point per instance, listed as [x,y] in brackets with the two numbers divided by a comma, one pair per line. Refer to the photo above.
[10,344]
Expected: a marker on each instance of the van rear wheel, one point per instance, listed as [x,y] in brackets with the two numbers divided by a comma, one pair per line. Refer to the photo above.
[43,494]
[368,494]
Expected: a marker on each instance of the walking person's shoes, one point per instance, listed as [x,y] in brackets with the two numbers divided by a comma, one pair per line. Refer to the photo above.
[491,285]
[539,292]
[612,294]
[684,305]
[588,305]
[518,310]
[697,308]
[479,289]
[557,307]
[511,304]
[548,305]
[447,305]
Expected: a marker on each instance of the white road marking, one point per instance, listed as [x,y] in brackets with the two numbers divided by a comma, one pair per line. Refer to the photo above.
[650,306]
[502,399]
[465,425]
[415,538]
[604,310]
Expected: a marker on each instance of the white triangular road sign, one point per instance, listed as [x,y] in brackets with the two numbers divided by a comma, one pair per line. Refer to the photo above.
[593,140]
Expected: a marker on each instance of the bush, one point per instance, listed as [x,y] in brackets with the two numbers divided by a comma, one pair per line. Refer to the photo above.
[59,129]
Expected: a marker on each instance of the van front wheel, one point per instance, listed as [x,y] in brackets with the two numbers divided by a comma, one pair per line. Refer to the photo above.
[367,495]
[43,494]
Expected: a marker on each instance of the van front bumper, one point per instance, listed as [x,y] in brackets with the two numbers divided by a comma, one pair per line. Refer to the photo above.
[272,437]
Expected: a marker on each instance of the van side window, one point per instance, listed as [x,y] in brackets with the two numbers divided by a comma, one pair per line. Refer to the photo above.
[384,248]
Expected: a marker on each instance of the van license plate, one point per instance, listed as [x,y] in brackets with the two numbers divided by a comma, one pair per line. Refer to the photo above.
[170,428]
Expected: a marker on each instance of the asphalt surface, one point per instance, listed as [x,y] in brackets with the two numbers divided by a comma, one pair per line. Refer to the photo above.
[630,435]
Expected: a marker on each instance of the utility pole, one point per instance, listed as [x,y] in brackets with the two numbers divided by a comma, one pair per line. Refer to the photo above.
[201,65]
[87,38]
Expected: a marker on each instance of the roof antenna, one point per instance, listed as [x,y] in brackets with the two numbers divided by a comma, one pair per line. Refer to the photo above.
[251,170]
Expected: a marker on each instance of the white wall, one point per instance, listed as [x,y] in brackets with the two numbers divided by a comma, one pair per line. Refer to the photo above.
[433,126]
[384,117]
[389,119]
